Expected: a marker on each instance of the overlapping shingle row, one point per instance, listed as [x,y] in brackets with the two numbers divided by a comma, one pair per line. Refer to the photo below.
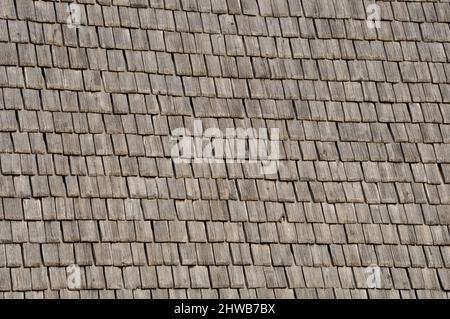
[87,176]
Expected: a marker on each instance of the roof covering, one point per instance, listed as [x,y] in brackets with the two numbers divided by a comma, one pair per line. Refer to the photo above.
[94,205]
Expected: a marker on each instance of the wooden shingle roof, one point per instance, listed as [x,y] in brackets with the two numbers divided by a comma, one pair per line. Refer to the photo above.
[87,176]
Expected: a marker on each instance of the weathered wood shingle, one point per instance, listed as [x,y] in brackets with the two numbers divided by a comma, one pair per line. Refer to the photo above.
[87,174]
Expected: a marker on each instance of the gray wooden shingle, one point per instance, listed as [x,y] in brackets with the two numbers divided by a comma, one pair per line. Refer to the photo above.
[88,177]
